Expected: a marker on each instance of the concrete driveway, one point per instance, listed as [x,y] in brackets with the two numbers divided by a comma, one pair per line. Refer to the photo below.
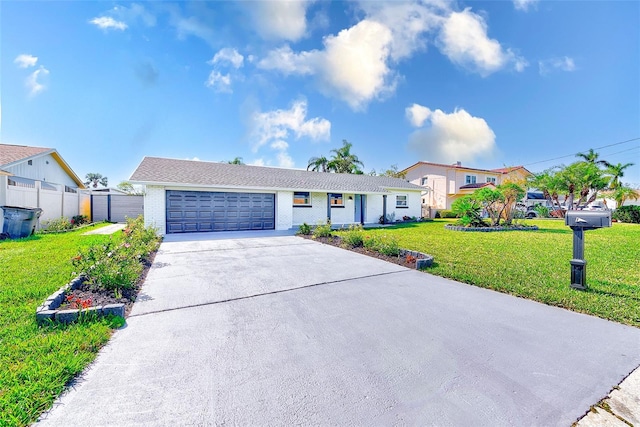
[287,331]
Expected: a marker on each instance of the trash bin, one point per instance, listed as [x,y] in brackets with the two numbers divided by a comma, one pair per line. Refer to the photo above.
[20,222]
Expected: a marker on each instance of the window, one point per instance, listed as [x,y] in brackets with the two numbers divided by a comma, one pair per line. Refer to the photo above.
[336,200]
[470,179]
[423,181]
[301,198]
[68,189]
[401,201]
[30,162]
[491,179]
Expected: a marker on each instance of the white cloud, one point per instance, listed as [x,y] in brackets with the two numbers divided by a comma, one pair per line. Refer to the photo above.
[219,82]
[25,61]
[352,66]
[451,137]
[524,5]
[279,145]
[407,21]
[34,83]
[417,114]
[134,12]
[279,125]
[288,62]
[228,55]
[563,64]
[107,22]
[285,160]
[276,127]
[464,40]
[279,20]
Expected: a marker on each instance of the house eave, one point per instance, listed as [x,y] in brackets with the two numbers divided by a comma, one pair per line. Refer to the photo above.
[386,190]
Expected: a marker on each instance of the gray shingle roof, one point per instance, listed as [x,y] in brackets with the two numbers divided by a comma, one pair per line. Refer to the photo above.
[155,170]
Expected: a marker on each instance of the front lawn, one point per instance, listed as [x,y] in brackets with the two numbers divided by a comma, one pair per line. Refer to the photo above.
[36,362]
[535,264]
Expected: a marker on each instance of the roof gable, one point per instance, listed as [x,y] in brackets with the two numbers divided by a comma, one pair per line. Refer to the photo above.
[13,154]
[162,171]
[500,171]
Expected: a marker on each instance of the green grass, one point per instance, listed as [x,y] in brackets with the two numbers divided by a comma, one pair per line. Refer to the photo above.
[37,361]
[535,264]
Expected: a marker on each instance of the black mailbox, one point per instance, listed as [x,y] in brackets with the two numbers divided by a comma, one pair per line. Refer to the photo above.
[588,219]
[581,221]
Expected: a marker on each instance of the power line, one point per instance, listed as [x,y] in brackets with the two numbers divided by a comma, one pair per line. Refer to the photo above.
[597,148]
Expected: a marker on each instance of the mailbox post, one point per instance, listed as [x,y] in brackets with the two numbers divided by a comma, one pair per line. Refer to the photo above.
[581,221]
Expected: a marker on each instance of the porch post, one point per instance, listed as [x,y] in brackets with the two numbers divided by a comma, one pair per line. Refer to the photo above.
[328,207]
[384,208]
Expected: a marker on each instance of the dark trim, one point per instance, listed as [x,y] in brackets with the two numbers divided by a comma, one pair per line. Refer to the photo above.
[91,209]
[302,206]
[337,207]
[384,209]
[109,207]
[402,207]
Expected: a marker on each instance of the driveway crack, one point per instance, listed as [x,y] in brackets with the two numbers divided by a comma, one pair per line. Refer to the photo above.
[280,291]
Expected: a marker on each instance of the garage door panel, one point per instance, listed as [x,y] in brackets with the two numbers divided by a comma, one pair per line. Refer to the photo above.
[192,211]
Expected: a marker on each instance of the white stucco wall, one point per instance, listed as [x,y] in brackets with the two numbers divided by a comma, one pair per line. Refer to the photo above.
[155,208]
[311,215]
[288,216]
[284,215]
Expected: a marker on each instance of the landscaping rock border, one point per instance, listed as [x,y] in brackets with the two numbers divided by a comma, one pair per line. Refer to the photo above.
[489,229]
[48,311]
[422,260]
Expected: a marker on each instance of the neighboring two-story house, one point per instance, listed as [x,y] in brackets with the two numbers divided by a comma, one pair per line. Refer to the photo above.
[443,184]
[38,177]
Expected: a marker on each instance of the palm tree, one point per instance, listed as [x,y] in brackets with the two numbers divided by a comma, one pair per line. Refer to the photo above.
[623,193]
[616,172]
[318,164]
[592,157]
[93,179]
[343,161]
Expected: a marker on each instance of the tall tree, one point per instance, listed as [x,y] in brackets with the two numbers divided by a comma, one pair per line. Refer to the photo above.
[341,161]
[393,172]
[592,157]
[95,179]
[621,194]
[318,164]
[344,161]
[236,161]
[129,188]
[615,172]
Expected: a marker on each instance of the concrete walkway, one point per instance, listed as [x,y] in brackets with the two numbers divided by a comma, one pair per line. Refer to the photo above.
[287,331]
[109,229]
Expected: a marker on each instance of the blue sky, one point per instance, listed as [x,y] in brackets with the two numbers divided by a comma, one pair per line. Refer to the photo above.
[490,84]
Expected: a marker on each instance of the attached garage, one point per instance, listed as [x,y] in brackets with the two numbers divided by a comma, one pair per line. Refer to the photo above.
[199,211]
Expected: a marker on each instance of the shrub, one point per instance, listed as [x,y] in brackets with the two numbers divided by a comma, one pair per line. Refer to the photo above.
[305,229]
[389,246]
[322,229]
[79,220]
[56,225]
[353,237]
[383,244]
[446,214]
[468,210]
[629,214]
[117,264]
[542,211]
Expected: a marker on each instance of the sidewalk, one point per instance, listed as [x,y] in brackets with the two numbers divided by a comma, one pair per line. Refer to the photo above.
[620,408]
[109,229]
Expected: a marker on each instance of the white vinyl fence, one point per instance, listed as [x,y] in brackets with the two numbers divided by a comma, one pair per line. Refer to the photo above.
[55,200]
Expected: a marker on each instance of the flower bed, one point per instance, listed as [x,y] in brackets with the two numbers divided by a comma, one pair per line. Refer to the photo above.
[489,229]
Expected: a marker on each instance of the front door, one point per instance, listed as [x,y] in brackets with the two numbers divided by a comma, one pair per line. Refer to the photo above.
[360,208]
